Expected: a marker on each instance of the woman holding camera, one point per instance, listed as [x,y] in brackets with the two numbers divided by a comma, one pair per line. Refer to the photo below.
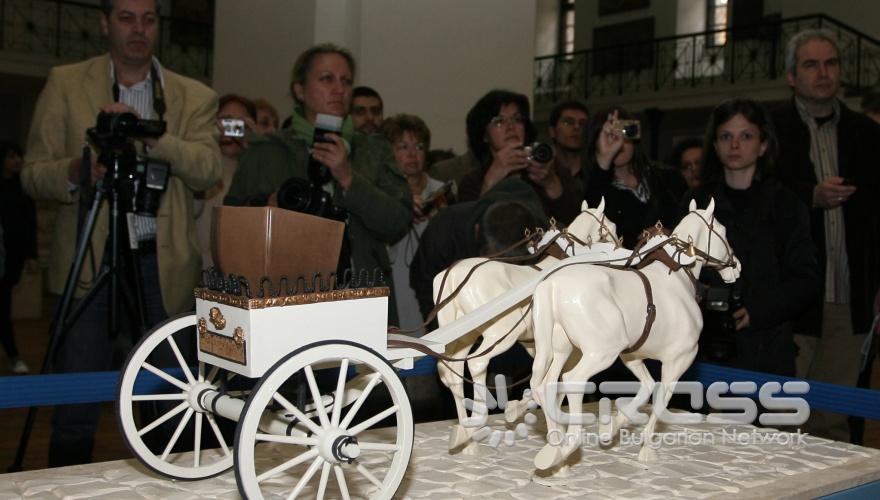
[768,229]
[410,140]
[637,193]
[364,180]
[499,133]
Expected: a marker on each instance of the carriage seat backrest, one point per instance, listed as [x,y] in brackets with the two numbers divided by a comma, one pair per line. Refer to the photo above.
[257,242]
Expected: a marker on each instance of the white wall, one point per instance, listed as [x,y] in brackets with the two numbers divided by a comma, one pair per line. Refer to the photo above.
[546,27]
[435,58]
[690,17]
[255,45]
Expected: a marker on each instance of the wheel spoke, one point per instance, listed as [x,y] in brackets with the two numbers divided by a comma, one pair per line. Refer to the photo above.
[340,480]
[201,371]
[177,431]
[366,424]
[293,462]
[160,397]
[297,414]
[338,402]
[217,433]
[197,445]
[164,376]
[297,440]
[322,485]
[212,374]
[316,397]
[303,481]
[367,474]
[364,446]
[183,366]
[159,421]
[360,401]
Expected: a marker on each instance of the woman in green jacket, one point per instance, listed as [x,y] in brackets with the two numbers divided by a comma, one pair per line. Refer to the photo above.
[365,181]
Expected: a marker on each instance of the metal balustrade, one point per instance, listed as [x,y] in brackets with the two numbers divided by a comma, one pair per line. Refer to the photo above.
[751,54]
[70,31]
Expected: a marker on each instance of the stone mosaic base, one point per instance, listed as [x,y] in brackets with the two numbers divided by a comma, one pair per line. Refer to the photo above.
[736,464]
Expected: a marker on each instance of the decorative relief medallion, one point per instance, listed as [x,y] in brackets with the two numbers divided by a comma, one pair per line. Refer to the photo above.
[203,326]
[238,336]
[217,318]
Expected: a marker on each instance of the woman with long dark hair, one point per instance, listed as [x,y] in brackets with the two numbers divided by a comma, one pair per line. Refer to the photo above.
[768,228]
[637,193]
[499,130]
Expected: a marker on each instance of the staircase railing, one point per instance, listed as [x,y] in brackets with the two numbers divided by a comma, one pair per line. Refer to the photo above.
[70,31]
[752,53]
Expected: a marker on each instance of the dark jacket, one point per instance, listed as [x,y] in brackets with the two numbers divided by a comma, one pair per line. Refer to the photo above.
[624,209]
[564,209]
[858,147]
[18,216]
[378,202]
[770,235]
[451,235]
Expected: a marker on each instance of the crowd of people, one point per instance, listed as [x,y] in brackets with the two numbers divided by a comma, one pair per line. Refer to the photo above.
[795,188]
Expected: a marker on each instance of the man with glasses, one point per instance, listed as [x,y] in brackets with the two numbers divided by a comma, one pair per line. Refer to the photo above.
[567,128]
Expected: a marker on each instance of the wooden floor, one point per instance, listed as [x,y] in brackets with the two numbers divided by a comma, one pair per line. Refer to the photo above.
[32,337]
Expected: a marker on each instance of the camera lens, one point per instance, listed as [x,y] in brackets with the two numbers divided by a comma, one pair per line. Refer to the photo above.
[541,152]
[295,194]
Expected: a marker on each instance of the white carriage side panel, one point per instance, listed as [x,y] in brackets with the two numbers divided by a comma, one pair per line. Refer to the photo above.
[271,333]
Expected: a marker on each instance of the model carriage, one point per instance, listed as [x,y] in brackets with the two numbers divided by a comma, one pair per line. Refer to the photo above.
[295,383]
[308,332]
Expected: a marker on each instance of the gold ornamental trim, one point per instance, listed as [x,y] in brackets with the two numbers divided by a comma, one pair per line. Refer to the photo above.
[228,348]
[289,300]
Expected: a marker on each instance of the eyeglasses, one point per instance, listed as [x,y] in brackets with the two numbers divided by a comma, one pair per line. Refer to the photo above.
[401,147]
[571,122]
[501,121]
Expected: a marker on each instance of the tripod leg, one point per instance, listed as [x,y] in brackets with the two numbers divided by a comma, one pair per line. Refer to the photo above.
[57,327]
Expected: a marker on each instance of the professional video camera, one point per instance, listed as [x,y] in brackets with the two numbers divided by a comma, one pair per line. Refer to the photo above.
[141,181]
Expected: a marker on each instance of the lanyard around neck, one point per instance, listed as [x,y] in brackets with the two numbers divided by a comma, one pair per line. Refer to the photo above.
[158,92]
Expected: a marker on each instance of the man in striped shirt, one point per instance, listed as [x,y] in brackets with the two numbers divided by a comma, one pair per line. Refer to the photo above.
[127,79]
[829,158]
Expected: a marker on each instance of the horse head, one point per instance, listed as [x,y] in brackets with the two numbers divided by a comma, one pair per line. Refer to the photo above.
[707,240]
[592,225]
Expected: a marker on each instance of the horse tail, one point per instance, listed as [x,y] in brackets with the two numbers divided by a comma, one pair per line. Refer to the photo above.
[542,328]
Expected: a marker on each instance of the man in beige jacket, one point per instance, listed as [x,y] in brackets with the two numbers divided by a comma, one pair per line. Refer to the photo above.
[124,80]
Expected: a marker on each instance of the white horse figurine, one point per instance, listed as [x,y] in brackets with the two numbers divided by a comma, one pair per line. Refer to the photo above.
[490,280]
[601,312]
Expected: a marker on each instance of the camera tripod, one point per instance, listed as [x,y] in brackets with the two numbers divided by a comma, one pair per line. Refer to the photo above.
[119,276]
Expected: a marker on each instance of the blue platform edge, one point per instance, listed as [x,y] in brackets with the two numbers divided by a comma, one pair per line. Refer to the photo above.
[95,387]
[868,491]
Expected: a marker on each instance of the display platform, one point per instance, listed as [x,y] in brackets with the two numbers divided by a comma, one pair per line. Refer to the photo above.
[743,461]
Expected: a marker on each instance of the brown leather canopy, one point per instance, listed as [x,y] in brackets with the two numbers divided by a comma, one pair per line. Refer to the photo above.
[268,241]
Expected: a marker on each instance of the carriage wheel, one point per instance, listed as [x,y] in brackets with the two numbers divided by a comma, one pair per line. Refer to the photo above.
[157,407]
[341,452]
